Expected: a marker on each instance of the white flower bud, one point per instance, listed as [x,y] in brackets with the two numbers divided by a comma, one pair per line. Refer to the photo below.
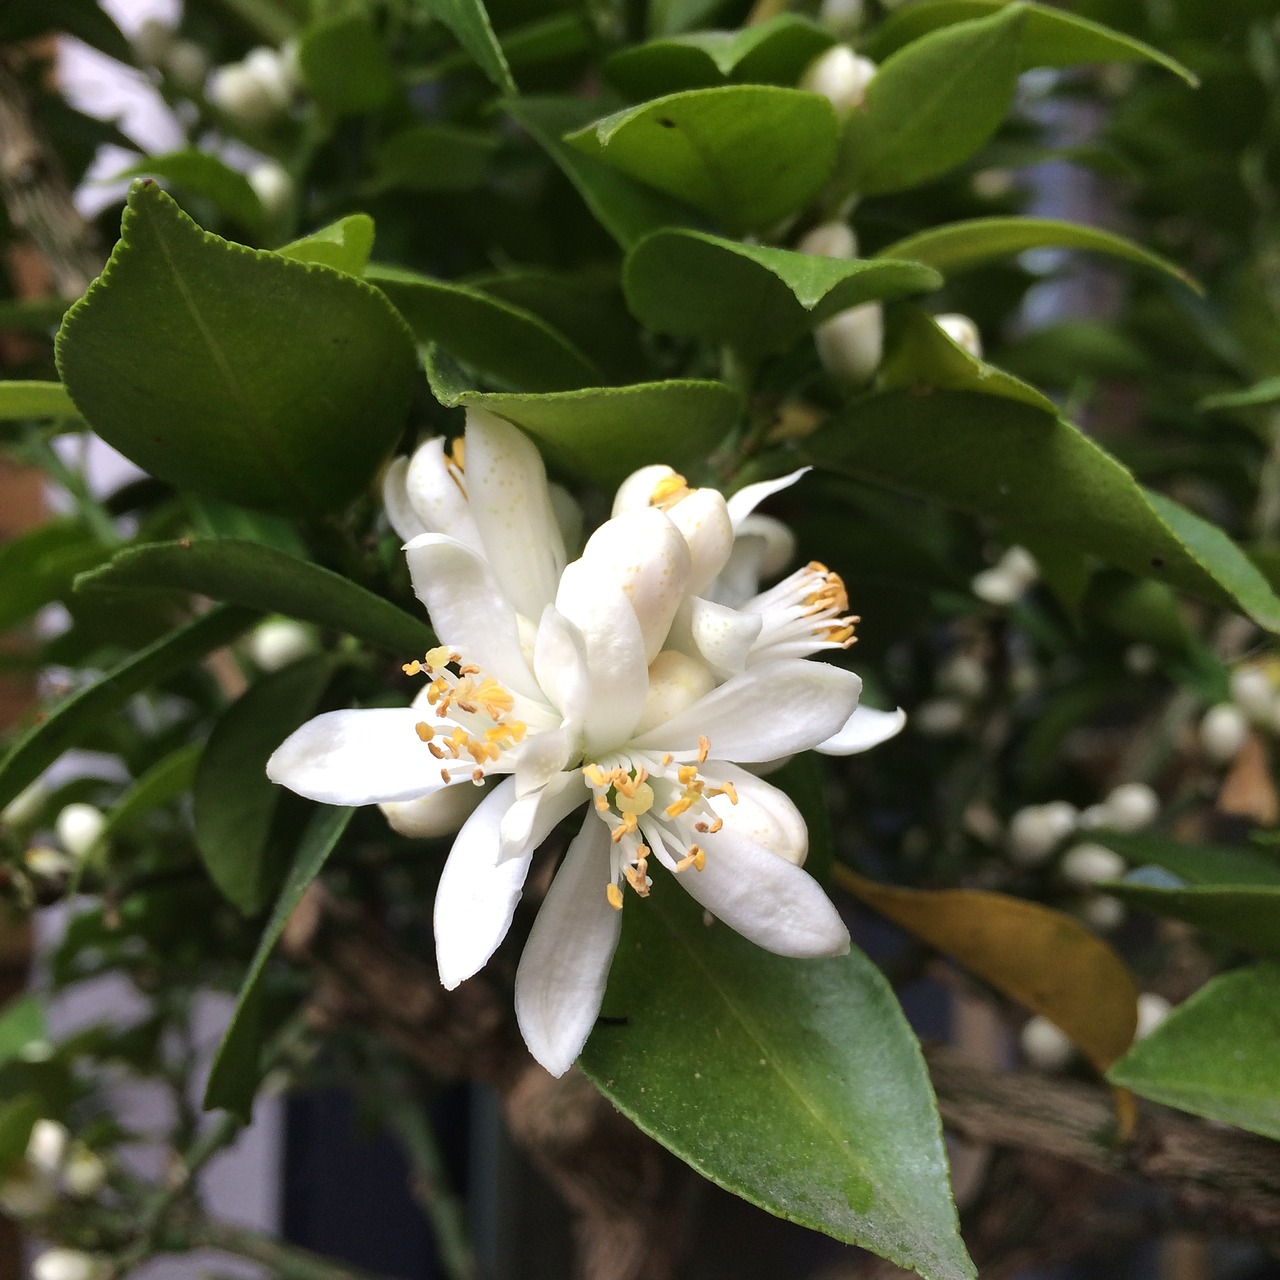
[939,717]
[992,184]
[851,343]
[290,66]
[1093,817]
[841,76]
[1251,692]
[676,681]
[829,240]
[1020,565]
[46,863]
[25,807]
[241,95]
[962,331]
[279,641]
[1141,659]
[152,41]
[1222,733]
[79,827]
[1085,864]
[1034,832]
[84,1174]
[26,1192]
[844,17]
[273,186]
[69,1264]
[47,1145]
[1132,806]
[187,65]
[964,676]
[273,73]
[1103,912]
[994,586]
[1152,1011]
[1044,1046]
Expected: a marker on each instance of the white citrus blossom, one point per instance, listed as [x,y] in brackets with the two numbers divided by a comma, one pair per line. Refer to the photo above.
[563,685]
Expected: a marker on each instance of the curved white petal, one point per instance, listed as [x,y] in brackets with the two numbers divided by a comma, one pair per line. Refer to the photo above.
[478,891]
[779,542]
[530,819]
[750,496]
[770,710]
[865,729]
[438,814]
[616,663]
[568,516]
[763,815]
[765,898]
[510,503]
[703,520]
[721,636]
[357,757]
[637,490]
[541,757]
[676,681]
[469,610]
[436,495]
[562,973]
[560,664]
[395,498]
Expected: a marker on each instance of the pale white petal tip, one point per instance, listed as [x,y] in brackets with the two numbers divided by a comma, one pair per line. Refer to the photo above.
[866,728]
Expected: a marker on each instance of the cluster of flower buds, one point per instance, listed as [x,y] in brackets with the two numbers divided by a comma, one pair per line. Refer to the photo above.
[1046,1048]
[181,61]
[77,831]
[1255,700]
[54,1165]
[259,89]
[1014,574]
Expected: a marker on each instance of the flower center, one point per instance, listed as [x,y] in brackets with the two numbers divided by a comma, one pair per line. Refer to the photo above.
[805,612]
[474,708]
[669,491]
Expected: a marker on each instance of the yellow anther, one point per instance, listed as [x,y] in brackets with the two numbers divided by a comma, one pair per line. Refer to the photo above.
[602,804]
[637,879]
[727,789]
[704,746]
[669,490]
[440,656]
[639,801]
[424,731]
[681,805]
[625,828]
[412,668]
[477,776]
[445,774]
[709,827]
[458,452]
[695,858]
[614,894]
[595,775]
[435,750]
[667,758]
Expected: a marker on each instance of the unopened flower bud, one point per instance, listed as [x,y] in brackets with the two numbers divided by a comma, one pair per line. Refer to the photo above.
[47,1145]
[152,41]
[841,76]
[84,1174]
[992,184]
[241,94]
[79,827]
[273,187]
[25,807]
[1141,659]
[1034,832]
[1044,1046]
[187,65]
[274,73]
[1132,806]
[1103,912]
[844,17]
[27,1192]
[69,1264]
[1020,565]
[994,586]
[939,717]
[1085,864]
[1222,733]
[1251,692]
[277,642]
[829,240]
[1152,1011]
[962,331]
[963,675]
[851,343]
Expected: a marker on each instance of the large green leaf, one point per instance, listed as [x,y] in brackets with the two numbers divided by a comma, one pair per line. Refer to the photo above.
[772,52]
[345,64]
[270,383]
[1051,37]
[1247,917]
[932,105]
[1196,863]
[795,1084]
[20,400]
[1007,461]
[604,433]
[433,157]
[757,298]
[746,154]
[62,727]
[204,174]
[236,808]
[261,577]
[1216,1054]
[627,209]
[499,340]
[236,1065]
[959,246]
[469,22]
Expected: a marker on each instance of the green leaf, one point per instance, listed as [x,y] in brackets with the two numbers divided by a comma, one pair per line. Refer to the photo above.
[502,342]
[77,715]
[960,246]
[346,66]
[20,400]
[167,779]
[746,154]
[1051,37]
[469,22]
[237,806]
[39,566]
[795,1084]
[22,1023]
[1009,462]
[932,105]
[247,573]
[205,175]
[344,245]
[772,52]
[625,208]
[433,157]
[1265,392]
[1196,863]
[18,1117]
[270,383]
[32,315]
[1216,1054]
[756,298]
[1249,918]
[604,433]
[921,358]
[236,1065]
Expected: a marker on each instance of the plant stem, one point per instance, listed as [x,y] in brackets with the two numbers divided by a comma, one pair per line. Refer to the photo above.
[286,1261]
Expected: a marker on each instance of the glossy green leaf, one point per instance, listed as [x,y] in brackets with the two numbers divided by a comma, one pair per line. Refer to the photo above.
[1197,864]
[32,315]
[247,573]
[18,1117]
[22,1023]
[236,1065]
[469,22]
[1052,37]
[746,154]
[604,433]
[20,400]
[433,157]
[39,566]
[932,105]
[1265,392]
[76,715]
[167,779]
[502,342]
[1247,917]
[1006,461]
[960,246]
[627,209]
[203,174]
[270,383]
[756,298]
[1138,609]
[240,840]
[344,245]
[773,52]
[920,358]
[796,1084]
[1216,1054]
[345,65]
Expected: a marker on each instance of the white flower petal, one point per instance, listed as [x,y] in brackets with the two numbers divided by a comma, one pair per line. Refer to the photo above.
[436,495]
[541,757]
[561,979]
[721,636]
[469,610]
[763,815]
[765,898]
[357,757]
[865,729]
[750,496]
[636,492]
[530,819]
[703,520]
[676,681]
[771,710]
[509,501]
[395,498]
[438,814]
[560,663]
